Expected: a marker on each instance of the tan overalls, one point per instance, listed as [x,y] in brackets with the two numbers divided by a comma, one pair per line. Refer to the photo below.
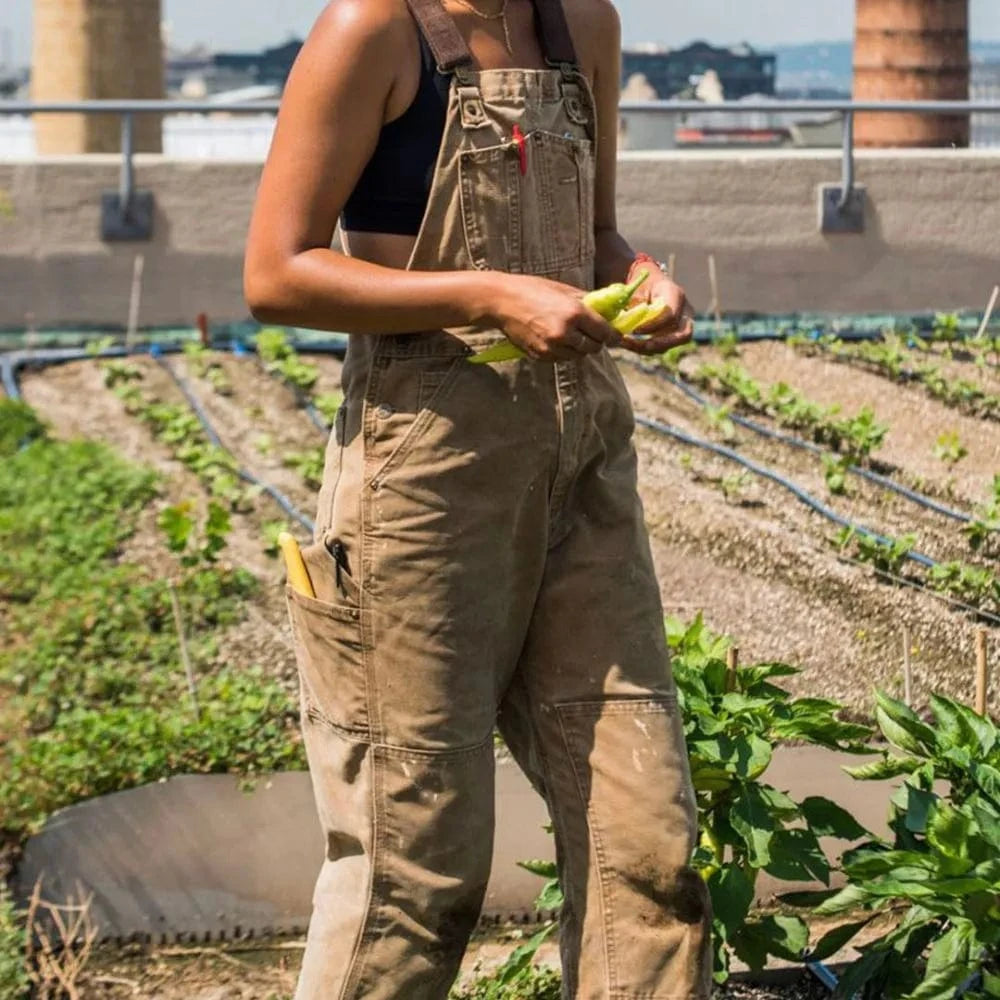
[481,558]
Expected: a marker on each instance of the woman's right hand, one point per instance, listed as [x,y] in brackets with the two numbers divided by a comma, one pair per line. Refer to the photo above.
[547,319]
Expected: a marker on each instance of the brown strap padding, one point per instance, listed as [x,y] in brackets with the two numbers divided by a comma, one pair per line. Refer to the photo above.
[557,42]
[442,34]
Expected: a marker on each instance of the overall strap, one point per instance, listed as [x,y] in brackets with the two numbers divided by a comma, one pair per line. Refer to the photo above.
[557,42]
[445,40]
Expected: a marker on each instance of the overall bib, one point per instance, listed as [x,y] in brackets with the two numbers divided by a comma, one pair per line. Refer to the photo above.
[481,559]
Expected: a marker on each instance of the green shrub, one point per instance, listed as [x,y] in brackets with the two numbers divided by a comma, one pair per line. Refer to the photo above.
[13,975]
[19,426]
[93,696]
[939,876]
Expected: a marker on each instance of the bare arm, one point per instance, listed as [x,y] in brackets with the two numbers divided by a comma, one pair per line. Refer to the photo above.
[324,137]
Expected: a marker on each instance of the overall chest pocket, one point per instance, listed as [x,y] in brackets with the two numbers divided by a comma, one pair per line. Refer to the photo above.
[536,221]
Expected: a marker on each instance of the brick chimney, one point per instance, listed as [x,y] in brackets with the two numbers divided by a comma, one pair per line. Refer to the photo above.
[909,50]
[92,49]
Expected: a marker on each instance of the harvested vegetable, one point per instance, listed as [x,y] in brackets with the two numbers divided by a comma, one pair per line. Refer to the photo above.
[610,302]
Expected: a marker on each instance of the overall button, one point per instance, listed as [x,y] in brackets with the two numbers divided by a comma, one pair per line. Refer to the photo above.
[385,411]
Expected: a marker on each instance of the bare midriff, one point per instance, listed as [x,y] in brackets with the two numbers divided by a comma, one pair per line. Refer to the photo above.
[387,249]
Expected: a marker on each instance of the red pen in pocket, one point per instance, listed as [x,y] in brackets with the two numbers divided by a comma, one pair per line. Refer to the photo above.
[522,149]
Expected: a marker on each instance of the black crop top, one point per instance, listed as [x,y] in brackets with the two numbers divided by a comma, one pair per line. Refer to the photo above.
[391,194]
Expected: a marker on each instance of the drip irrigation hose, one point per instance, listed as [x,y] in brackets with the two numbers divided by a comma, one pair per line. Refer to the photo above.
[276,495]
[796,442]
[764,472]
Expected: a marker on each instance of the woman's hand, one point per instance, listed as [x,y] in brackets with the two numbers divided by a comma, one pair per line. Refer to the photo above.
[674,327]
[548,319]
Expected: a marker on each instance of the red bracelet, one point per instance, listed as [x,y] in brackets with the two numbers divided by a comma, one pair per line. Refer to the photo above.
[643,258]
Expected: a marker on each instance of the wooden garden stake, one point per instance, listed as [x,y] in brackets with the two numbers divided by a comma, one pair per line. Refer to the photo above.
[732,662]
[907,669]
[134,299]
[714,280]
[671,266]
[989,312]
[185,658]
[981,671]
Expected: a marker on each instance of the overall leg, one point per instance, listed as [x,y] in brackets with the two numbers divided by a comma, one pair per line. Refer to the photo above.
[413,634]
[593,712]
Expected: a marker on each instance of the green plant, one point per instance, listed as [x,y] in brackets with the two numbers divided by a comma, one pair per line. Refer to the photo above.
[206,366]
[328,404]
[733,719]
[117,372]
[13,975]
[92,694]
[735,484]
[183,537]
[939,877]
[308,464]
[280,357]
[886,555]
[98,345]
[513,981]
[949,448]
[271,531]
[835,469]
[19,426]
[946,327]
[719,420]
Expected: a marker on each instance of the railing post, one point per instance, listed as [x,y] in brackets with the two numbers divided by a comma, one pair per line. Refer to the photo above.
[126,183]
[842,206]
[127,214]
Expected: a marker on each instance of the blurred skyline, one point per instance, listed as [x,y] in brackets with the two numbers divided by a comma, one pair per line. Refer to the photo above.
[260,23]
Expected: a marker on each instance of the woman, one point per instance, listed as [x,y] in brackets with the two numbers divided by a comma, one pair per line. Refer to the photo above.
[480,553]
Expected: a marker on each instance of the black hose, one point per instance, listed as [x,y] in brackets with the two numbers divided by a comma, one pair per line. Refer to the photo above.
[796,442]
[764,472]
[276,495]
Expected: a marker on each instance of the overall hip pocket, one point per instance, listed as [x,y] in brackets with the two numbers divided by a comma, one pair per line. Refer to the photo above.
[330,652]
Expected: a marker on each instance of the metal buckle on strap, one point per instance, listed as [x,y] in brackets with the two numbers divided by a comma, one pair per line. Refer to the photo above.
[577,110]
[470,104]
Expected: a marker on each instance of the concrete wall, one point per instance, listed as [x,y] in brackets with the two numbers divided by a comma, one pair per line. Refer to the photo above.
[932,238]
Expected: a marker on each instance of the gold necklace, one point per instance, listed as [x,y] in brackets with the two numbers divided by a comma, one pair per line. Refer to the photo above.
[500,15]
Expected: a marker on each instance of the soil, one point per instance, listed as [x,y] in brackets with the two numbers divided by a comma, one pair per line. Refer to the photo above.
[267,971]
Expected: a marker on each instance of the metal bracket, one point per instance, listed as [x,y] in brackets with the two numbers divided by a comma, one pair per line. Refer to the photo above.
[842,207]
[838,216]
[126,214]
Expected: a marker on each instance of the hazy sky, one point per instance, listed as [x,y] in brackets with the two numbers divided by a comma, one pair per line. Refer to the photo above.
[255,23]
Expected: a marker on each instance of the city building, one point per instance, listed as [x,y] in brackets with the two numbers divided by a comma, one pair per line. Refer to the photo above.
[742,70]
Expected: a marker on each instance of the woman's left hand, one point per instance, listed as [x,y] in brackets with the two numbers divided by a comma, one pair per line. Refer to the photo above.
[674,327]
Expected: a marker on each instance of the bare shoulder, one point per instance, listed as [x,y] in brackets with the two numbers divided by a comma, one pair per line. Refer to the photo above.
[368,27]
[594,24]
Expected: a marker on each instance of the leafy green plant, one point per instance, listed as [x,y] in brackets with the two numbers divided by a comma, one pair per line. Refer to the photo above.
[13,975]
[719,420]
[735,484]
[271,531]
[205,365]
[835,469]
[94,699]
[732,722]
[19,426]
[280,357]
[98,345]
[117,372]
[514,981]
[886,555]
[949,448]
[328,404]
[946,327]
[308,464]
[183,536]
[939,877]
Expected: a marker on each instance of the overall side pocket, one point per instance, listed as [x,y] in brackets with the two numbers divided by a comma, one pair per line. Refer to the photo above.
[330,653]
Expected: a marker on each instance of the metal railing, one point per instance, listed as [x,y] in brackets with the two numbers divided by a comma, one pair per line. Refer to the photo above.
[839,203]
